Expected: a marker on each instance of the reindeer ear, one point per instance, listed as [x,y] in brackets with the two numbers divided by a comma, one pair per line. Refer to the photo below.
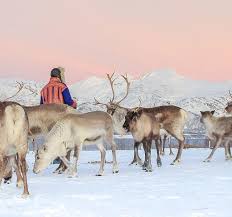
[212,112]
[201,112]
[139,113]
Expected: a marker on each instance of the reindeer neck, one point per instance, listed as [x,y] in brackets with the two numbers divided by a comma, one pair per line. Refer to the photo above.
[210,122]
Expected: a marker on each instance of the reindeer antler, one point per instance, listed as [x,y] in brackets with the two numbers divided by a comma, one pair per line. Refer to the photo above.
[111,80]
[99,103]
[20,86]
[32,90]
[127,89]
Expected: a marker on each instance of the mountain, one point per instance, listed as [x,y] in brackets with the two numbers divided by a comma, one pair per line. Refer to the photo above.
[29,95]
[152,89]
[157,88]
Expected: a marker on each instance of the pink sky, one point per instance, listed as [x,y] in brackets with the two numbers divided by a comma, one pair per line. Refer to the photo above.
[87,37]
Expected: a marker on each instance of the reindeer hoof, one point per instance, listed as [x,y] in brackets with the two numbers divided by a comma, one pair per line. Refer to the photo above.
[144,167]
[175,162]
[207,160]
[72,175]
[7,180]
[19,184]
[98,174]
[171,153]
[115,170]
[228,158]
[133,162]
[148,170]
[25,195]
[159,164]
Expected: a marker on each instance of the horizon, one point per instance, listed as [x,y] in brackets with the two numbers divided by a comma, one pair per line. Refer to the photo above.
[97,37]
[131,77]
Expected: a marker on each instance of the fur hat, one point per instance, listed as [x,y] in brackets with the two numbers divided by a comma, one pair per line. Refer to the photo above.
[62,77]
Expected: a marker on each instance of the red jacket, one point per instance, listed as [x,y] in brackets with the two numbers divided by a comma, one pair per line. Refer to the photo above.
[56,92]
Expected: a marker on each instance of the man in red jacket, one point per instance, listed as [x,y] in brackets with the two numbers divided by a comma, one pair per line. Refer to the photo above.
[56,90]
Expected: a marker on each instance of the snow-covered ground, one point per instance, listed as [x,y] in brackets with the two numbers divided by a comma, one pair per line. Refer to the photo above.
[191,189]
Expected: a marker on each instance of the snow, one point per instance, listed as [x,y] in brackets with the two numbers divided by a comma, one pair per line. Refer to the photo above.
[191,189]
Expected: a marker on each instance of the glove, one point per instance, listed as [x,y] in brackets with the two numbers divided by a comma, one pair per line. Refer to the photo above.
[74,105]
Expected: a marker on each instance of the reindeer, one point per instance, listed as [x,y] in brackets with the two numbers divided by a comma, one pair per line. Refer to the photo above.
[144,129]
[71,133]
[219,129]
[228,108]
[173,117]
[169,117]
[13,142]
[118,113]
[41,120]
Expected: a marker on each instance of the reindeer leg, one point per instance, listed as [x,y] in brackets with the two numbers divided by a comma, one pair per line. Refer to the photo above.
[2,167]
[23,168]
[144,166]
[72,171]
[161,147]
[14,163]
[159,163]
[34,145]
[137,159]
[227,150]
[115,163]
[8,171]
[149,166]
[62,167]
[170,148]
[178,156]
[66,162]
[8,177]
[103,156]
[218,142]
[163,144]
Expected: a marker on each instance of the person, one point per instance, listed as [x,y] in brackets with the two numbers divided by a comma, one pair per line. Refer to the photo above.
[56,91]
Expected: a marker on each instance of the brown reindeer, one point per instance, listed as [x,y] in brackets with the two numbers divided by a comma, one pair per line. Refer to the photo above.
[173,117]
[13,141]
[169,117]
[218,129]
[144,129]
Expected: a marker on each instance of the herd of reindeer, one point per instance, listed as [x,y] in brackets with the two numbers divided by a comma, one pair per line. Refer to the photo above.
[66,131]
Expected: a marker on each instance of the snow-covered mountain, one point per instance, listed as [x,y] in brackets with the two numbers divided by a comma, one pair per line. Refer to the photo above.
[29,95]
[153,89]
[157,88]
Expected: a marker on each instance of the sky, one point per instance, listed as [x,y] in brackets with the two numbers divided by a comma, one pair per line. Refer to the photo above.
[95,37]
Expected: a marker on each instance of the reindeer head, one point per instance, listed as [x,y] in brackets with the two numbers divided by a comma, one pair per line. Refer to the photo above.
[131,119]
[228,108]
[113,107]
[43,158]
[206,115]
